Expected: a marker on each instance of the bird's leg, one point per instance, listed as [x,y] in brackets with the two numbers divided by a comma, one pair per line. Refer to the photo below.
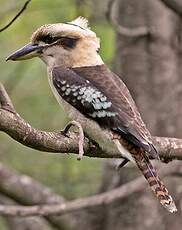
[80,138]
[123,163]
[116,138]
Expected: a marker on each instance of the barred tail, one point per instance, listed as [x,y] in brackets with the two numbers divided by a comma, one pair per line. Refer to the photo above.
[155,182]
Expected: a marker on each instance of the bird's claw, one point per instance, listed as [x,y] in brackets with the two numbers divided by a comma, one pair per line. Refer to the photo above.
[123,163]
[81,136]
[66,129]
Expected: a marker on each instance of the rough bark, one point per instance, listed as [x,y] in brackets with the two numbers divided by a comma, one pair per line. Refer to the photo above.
[12,124]
[150,67]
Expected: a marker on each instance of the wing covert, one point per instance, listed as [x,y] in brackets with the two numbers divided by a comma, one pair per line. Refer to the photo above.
[84,96]
[99,94]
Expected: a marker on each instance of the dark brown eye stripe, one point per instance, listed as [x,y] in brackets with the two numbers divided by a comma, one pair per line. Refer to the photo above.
[68,43]
[48,39]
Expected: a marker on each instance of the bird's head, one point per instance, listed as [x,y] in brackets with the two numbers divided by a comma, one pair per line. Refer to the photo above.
[71,44]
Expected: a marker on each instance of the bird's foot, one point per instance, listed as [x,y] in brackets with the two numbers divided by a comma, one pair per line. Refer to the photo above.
[66,129]
[123,163]
[80,137]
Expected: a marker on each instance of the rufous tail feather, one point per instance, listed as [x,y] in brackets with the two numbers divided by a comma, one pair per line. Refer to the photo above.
[154,181]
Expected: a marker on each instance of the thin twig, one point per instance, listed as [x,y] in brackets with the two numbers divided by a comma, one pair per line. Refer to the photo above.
[101,199]
[5,101]
[16,16]
[28,223]
[27,191]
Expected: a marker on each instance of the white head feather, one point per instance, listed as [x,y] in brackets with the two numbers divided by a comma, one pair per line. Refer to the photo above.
[76,28]
[85,52]
[82,22]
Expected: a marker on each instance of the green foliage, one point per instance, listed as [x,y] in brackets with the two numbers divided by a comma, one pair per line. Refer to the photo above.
[27,85]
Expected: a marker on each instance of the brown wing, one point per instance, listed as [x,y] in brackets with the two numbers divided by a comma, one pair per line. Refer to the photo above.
[116,91]
[102,96]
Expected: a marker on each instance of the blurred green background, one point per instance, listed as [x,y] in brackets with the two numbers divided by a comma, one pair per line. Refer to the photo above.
[27,85]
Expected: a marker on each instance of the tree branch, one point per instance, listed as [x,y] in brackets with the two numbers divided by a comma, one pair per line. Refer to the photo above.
[27,191]
[17,128]
[12,124]
[105,198]
[5,101]
[17,223]
[128,32]
[16,16]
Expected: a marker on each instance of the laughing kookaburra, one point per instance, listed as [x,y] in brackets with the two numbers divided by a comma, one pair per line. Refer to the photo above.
[94,96]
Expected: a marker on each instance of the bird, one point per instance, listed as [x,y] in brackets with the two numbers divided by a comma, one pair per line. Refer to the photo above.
[95,97]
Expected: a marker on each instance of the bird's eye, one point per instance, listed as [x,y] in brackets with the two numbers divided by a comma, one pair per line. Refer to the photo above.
[68,43]
[48,39]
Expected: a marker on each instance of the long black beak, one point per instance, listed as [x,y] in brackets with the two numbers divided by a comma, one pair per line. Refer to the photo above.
[26,52]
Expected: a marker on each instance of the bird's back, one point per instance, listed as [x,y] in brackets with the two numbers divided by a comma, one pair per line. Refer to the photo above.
[130,123]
